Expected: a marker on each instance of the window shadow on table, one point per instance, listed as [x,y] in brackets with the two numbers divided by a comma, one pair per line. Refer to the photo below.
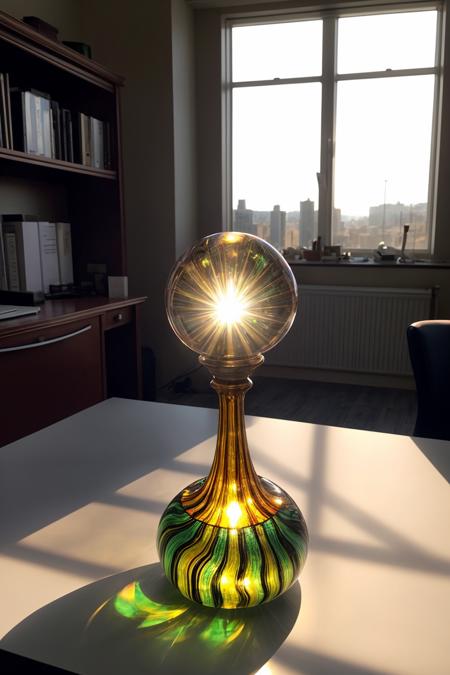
[391,546]
[88,456]
[137,622]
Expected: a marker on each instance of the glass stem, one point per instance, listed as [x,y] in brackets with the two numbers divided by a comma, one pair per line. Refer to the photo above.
[232,494]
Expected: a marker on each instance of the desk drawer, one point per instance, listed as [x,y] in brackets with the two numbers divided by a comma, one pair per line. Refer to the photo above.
[118,317]
[47,374]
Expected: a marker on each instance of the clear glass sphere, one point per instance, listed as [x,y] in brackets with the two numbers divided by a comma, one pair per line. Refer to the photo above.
[232,295]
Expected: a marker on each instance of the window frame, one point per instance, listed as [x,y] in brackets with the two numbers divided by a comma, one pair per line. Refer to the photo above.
[329,80]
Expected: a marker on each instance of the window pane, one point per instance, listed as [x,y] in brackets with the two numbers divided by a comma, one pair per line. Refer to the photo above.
[408,40]
[382,162]
[277,50]
[276,156]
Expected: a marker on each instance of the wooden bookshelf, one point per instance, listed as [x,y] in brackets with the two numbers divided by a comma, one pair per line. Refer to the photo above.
[75,352]
[93,201]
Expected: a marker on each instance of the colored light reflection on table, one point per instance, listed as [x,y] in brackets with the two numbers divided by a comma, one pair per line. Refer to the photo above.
[132,603]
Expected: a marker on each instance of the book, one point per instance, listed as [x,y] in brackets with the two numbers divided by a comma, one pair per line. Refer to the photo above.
[24,252]
[4,127]
[52,135]
[6,134]
[48,254]
[2,142]
[64,245]
[85,138]
[38,123]
[107,146]
[69,132]
[77,154]
[56,125]
[64,148]
[31,130]
[67,135]
[12,265]
[40,103]
[8,111]
[3,276]
[46,127]
[97,144]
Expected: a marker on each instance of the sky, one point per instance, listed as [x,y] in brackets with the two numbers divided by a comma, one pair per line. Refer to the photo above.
[383,126]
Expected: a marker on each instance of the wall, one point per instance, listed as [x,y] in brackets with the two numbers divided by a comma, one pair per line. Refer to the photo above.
[179,359]
[184,125]
[63,14]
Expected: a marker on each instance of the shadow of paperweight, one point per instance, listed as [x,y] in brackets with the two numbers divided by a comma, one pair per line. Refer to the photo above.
[137,622]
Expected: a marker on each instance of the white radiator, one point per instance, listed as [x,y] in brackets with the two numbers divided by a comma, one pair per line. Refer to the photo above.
[357,329]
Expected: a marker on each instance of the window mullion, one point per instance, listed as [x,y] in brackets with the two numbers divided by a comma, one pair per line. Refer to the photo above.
[432,181]
[325,176]
[227,127]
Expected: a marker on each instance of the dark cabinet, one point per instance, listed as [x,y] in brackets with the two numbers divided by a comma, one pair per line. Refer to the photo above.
[72,355]
[48,374]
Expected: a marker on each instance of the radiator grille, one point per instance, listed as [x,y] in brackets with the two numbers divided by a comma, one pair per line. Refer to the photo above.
[357,329]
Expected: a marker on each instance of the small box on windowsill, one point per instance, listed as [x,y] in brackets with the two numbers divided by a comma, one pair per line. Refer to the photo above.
[331,253]
[311,256]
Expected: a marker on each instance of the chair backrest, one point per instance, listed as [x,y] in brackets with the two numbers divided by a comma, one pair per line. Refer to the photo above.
[429,350]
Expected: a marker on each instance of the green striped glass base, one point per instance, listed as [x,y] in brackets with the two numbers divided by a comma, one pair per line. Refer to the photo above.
[233,567]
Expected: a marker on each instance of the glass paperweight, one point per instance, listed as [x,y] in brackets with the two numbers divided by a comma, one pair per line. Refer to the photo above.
[232,539]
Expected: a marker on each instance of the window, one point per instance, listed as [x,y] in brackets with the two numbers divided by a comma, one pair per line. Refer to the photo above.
[333,128]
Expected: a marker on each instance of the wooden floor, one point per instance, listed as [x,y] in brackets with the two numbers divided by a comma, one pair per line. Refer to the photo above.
[341,405]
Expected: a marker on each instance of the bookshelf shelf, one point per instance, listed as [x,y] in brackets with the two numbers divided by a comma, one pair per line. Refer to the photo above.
[51,163]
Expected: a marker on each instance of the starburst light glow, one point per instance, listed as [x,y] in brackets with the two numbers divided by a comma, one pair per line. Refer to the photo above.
[230,306]
[229,296]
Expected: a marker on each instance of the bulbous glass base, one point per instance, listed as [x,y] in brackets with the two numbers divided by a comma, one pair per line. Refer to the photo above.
[233,567]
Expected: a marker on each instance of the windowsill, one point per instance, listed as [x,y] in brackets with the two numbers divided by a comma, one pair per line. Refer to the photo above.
[427,264]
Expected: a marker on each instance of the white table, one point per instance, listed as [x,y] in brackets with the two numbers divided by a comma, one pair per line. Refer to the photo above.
[81,501]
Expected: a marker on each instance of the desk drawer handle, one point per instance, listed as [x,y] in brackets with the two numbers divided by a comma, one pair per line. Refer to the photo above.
[42,343]
[118,317]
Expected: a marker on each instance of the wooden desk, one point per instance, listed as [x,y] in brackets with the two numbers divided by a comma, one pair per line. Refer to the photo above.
[70,355]
[81,500]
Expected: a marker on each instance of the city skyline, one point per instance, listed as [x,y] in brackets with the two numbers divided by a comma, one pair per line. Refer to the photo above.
[298,227]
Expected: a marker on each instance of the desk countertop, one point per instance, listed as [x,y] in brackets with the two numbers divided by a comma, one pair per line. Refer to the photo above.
[80,502]
[52,312]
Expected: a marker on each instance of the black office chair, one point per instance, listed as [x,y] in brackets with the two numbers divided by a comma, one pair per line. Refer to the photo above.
[429,350]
